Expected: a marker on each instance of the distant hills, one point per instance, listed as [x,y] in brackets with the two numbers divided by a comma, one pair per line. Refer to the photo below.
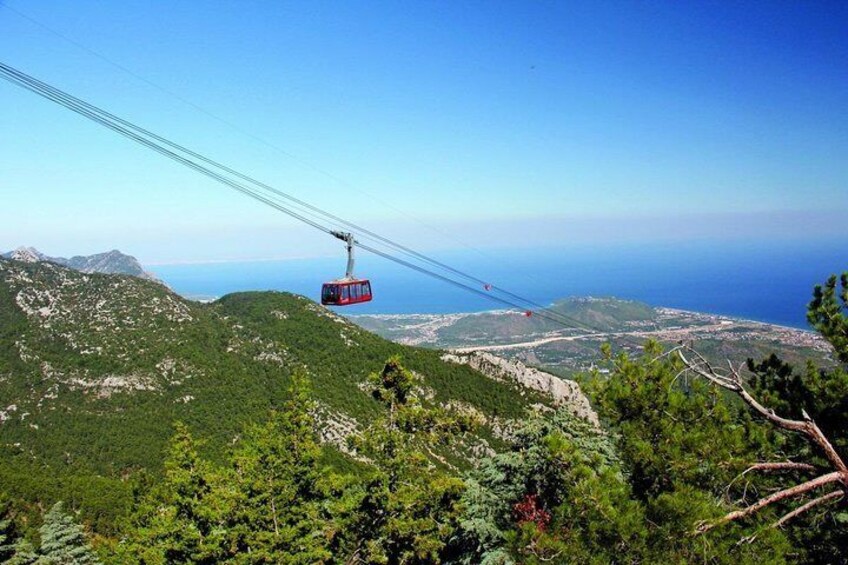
[95,368]
[110,262]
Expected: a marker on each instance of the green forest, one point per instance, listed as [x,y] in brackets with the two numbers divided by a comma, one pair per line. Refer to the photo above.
[693,462]
[69,435]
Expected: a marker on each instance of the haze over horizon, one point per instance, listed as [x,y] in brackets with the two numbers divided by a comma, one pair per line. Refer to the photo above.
[440,125]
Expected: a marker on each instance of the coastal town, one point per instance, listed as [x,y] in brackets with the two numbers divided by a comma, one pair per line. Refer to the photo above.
[625,325]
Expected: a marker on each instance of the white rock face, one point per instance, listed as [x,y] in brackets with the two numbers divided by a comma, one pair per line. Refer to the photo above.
[564,393]
[26,255]
[335,427]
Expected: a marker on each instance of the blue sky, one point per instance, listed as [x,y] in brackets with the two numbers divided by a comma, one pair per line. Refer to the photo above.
[499,124]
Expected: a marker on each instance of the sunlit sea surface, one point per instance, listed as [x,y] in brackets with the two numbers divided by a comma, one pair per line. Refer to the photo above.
[766,281]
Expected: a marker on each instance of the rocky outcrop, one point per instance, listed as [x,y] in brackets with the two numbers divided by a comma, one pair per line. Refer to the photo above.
[335,427]
[564,393]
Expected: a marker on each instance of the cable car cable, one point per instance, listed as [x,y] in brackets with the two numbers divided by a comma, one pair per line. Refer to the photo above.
[85,110]
[108,115]
[171,155]
[124,127]
[351,225]
[420,269]
[269,188]
[303,162]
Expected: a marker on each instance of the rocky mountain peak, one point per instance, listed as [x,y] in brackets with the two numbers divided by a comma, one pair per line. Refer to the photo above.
[26,255]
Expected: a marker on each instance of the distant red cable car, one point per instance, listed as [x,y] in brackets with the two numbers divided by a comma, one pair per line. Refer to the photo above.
[348,290]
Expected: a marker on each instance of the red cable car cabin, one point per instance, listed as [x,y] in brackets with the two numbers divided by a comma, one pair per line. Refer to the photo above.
[348,290]
[344,292]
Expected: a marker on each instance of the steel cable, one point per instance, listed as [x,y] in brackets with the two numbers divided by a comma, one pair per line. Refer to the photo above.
[154,142]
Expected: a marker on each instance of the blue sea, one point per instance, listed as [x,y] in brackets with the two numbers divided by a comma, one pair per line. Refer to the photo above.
[766,281]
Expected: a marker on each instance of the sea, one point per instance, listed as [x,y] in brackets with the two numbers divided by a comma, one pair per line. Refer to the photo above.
[769,281]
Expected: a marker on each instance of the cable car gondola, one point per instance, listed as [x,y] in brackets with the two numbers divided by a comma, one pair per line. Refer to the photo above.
[348,290]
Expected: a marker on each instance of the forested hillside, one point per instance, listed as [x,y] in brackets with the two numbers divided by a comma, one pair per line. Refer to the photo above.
[94,370]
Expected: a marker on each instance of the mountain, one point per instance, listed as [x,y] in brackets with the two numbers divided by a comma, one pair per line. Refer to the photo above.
[624,324]
[113,262]
[95,368]
[26,255]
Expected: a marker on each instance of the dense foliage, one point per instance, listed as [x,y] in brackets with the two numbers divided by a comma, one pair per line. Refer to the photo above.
[274,502]
[682,443]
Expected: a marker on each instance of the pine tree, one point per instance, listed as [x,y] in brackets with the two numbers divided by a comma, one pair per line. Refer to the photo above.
[176,522]
[681,443]
[409,509]
[828,314]
[820,394]
[63,541]
[278,503]
[559,491]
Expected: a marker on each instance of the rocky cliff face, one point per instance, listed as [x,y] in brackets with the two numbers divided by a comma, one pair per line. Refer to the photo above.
[563,392]
[111,262]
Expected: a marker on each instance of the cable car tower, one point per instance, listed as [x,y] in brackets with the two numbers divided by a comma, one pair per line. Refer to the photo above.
[348,290]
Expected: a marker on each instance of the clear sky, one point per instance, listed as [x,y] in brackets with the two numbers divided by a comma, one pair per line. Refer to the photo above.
[500,123]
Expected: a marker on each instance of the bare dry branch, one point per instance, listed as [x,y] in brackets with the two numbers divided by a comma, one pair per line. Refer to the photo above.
[835,495]
[668,353]
[768,468]
[779,466]
[732,381]
[784,494]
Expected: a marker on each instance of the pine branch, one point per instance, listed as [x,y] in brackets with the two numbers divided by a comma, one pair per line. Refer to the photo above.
[733,382]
